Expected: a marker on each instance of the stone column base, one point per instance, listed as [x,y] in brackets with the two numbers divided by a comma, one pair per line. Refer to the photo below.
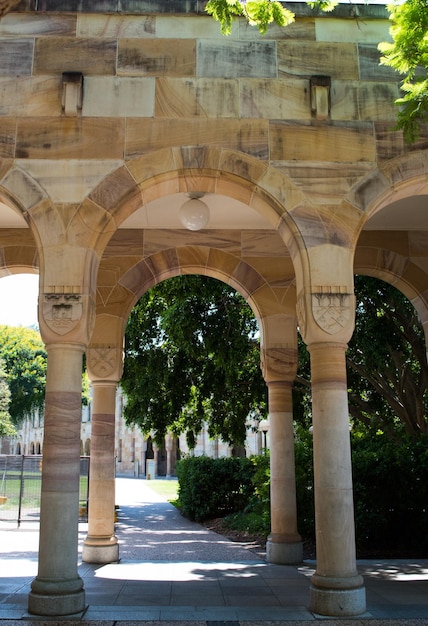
[98,552]
[56,598]
[338,602]
[284,553]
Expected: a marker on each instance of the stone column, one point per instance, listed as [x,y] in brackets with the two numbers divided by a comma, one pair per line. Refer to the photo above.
[169,443]
[337,588]
[284,545]
[104,362]
[279,366]
[58,589]
[326,321]
[101,545]
[156,459]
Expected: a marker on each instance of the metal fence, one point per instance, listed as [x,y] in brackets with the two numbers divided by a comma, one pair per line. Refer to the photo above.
[20,488]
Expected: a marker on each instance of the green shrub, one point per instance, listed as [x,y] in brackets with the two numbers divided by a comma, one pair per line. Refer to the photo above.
[304,483]
[391,494]
[211,488]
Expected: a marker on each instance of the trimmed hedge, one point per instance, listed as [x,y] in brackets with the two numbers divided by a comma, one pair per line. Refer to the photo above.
[390,493]
[210,488]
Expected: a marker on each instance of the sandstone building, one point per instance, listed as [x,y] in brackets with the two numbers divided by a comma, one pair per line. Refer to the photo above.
[135,454]
[113,114]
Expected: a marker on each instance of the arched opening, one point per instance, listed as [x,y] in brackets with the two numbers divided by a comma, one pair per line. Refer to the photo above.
[192,369]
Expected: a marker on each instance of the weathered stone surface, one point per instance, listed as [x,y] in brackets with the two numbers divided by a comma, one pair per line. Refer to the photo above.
[275,99]
[358,30]
[250,137]
[30,96]
[154,57]
[187,98]
[70,138]
[370,67]
[23,188]
[20,24]
[89,56]
[376,101]
[310,142]
[110,26]
[122,97]
[324,183]
[192,27]
[16,57]
[302,58]
[230,59]
[7,137]
[368,100]
[300,29]
[7,5]
[73,179]
[85,6]
[390,142]
[158,6]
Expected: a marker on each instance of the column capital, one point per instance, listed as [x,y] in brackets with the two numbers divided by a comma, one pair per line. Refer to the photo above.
[105,362]
[278,363]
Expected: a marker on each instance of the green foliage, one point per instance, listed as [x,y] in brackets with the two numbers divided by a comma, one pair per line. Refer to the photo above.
[224,12]
[192,356]
[408,55]
[259,13]
[391,494]
[303,451]
[7,429]
[386,365]
[24,357]
[386,359]
[255,518]
[211,488]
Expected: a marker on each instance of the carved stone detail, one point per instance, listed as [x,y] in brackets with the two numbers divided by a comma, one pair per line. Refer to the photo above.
[102,360]
[333,308]
[62,312]
[278,363]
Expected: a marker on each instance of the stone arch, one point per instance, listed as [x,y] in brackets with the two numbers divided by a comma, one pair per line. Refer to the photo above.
[203,260]
[395,257]
[393,180]
[20,191]
[269,307]
[396,270]
[21,194]
[415,290]
[274,306]
[207,169]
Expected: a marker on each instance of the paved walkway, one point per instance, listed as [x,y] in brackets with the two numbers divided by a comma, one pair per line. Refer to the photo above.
[172,570]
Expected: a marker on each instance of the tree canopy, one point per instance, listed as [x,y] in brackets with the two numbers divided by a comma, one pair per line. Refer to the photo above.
[259,13]
[408,55]
[192,357]
[7,429]
[386,362]
[24,356]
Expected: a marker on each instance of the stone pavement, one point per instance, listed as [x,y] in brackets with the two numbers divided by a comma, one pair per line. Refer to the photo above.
[175,571]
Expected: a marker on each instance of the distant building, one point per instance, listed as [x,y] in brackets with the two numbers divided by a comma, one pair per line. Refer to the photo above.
[136,454]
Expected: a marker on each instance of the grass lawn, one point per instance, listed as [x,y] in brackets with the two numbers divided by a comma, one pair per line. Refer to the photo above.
[166,488]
